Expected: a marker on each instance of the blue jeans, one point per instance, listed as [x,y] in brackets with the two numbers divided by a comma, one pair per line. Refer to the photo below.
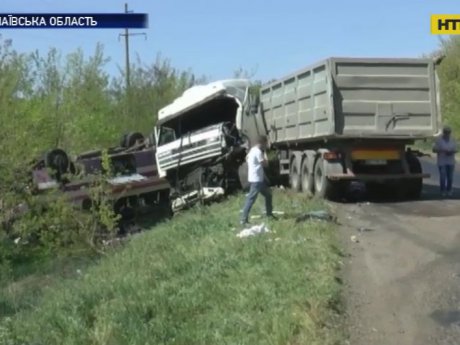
[256,188]
[446,175]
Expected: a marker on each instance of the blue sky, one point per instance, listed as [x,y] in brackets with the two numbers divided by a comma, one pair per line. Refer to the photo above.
[272,38]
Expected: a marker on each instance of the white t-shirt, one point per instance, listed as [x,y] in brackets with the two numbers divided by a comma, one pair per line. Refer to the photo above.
[255,158]
[441,144]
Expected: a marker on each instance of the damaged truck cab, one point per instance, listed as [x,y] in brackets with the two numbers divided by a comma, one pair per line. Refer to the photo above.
[201,142]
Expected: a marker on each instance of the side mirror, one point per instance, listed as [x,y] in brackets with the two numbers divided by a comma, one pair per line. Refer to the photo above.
[254,107]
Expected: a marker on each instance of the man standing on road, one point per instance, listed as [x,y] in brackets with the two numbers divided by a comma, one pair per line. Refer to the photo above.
[257,161]
[445,148]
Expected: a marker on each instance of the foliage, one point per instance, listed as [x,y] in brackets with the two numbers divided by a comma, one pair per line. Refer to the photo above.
[192,281]
[50,101]
[449,75]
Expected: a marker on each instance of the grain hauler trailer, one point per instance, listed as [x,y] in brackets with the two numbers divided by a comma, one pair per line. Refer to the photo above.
[346,119]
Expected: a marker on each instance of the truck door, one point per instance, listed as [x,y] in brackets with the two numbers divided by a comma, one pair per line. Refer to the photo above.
[253,121]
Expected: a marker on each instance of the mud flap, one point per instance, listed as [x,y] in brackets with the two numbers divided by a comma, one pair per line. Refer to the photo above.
[325,187]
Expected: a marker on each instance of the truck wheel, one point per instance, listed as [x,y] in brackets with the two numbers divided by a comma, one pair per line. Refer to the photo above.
[325,188]
[414,186]
[133,137]
[58,161]
[307,178]
[294,175]
[128,140]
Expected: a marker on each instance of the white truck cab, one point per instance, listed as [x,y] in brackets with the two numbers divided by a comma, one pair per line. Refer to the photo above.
[192,127]
[199,138]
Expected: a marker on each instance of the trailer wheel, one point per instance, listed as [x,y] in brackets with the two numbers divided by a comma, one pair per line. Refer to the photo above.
[324,187]
[294,175]
[307,178]
[414,186]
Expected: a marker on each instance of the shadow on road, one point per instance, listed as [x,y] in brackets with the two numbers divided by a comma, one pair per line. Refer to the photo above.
[430,193]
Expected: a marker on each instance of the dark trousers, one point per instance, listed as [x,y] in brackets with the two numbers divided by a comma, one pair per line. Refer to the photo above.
[446,175]
[256,188]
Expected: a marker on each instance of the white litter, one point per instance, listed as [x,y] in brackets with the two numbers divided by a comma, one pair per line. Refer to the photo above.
[126,179]
[254,230]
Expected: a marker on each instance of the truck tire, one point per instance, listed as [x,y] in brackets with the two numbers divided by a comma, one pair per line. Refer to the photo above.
[133,137]
[128,140]
[307,177]
[324,187]
[414,186]
[58,161]
[294,174]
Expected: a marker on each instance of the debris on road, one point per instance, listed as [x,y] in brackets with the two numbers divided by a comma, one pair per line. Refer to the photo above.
[354,239]
[255,230]
[316,215]
[363,229]
[367,203]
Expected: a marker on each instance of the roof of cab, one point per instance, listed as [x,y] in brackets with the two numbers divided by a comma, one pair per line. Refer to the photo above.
[198,95]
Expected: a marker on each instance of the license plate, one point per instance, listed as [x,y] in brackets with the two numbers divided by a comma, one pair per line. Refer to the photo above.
[375,162]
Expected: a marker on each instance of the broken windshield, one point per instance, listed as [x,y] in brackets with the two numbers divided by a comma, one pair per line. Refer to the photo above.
[239,93]
[167,135]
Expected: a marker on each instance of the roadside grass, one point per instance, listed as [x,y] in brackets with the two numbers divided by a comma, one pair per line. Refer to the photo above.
[22,289]
[192,281]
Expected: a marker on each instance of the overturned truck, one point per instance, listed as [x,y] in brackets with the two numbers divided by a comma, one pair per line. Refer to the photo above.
[132,181]
[340,120]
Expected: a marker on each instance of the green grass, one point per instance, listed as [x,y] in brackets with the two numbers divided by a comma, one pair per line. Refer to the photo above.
[192,281]
[29,279]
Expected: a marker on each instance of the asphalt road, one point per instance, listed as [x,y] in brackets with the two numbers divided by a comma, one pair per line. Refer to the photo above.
[402,268]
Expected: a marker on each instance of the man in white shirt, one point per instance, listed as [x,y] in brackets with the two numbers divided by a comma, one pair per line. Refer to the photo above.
[257,161]
[445,148]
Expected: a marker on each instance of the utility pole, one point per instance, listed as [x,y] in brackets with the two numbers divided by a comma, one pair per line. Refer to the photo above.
[126,35]
[127,51]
